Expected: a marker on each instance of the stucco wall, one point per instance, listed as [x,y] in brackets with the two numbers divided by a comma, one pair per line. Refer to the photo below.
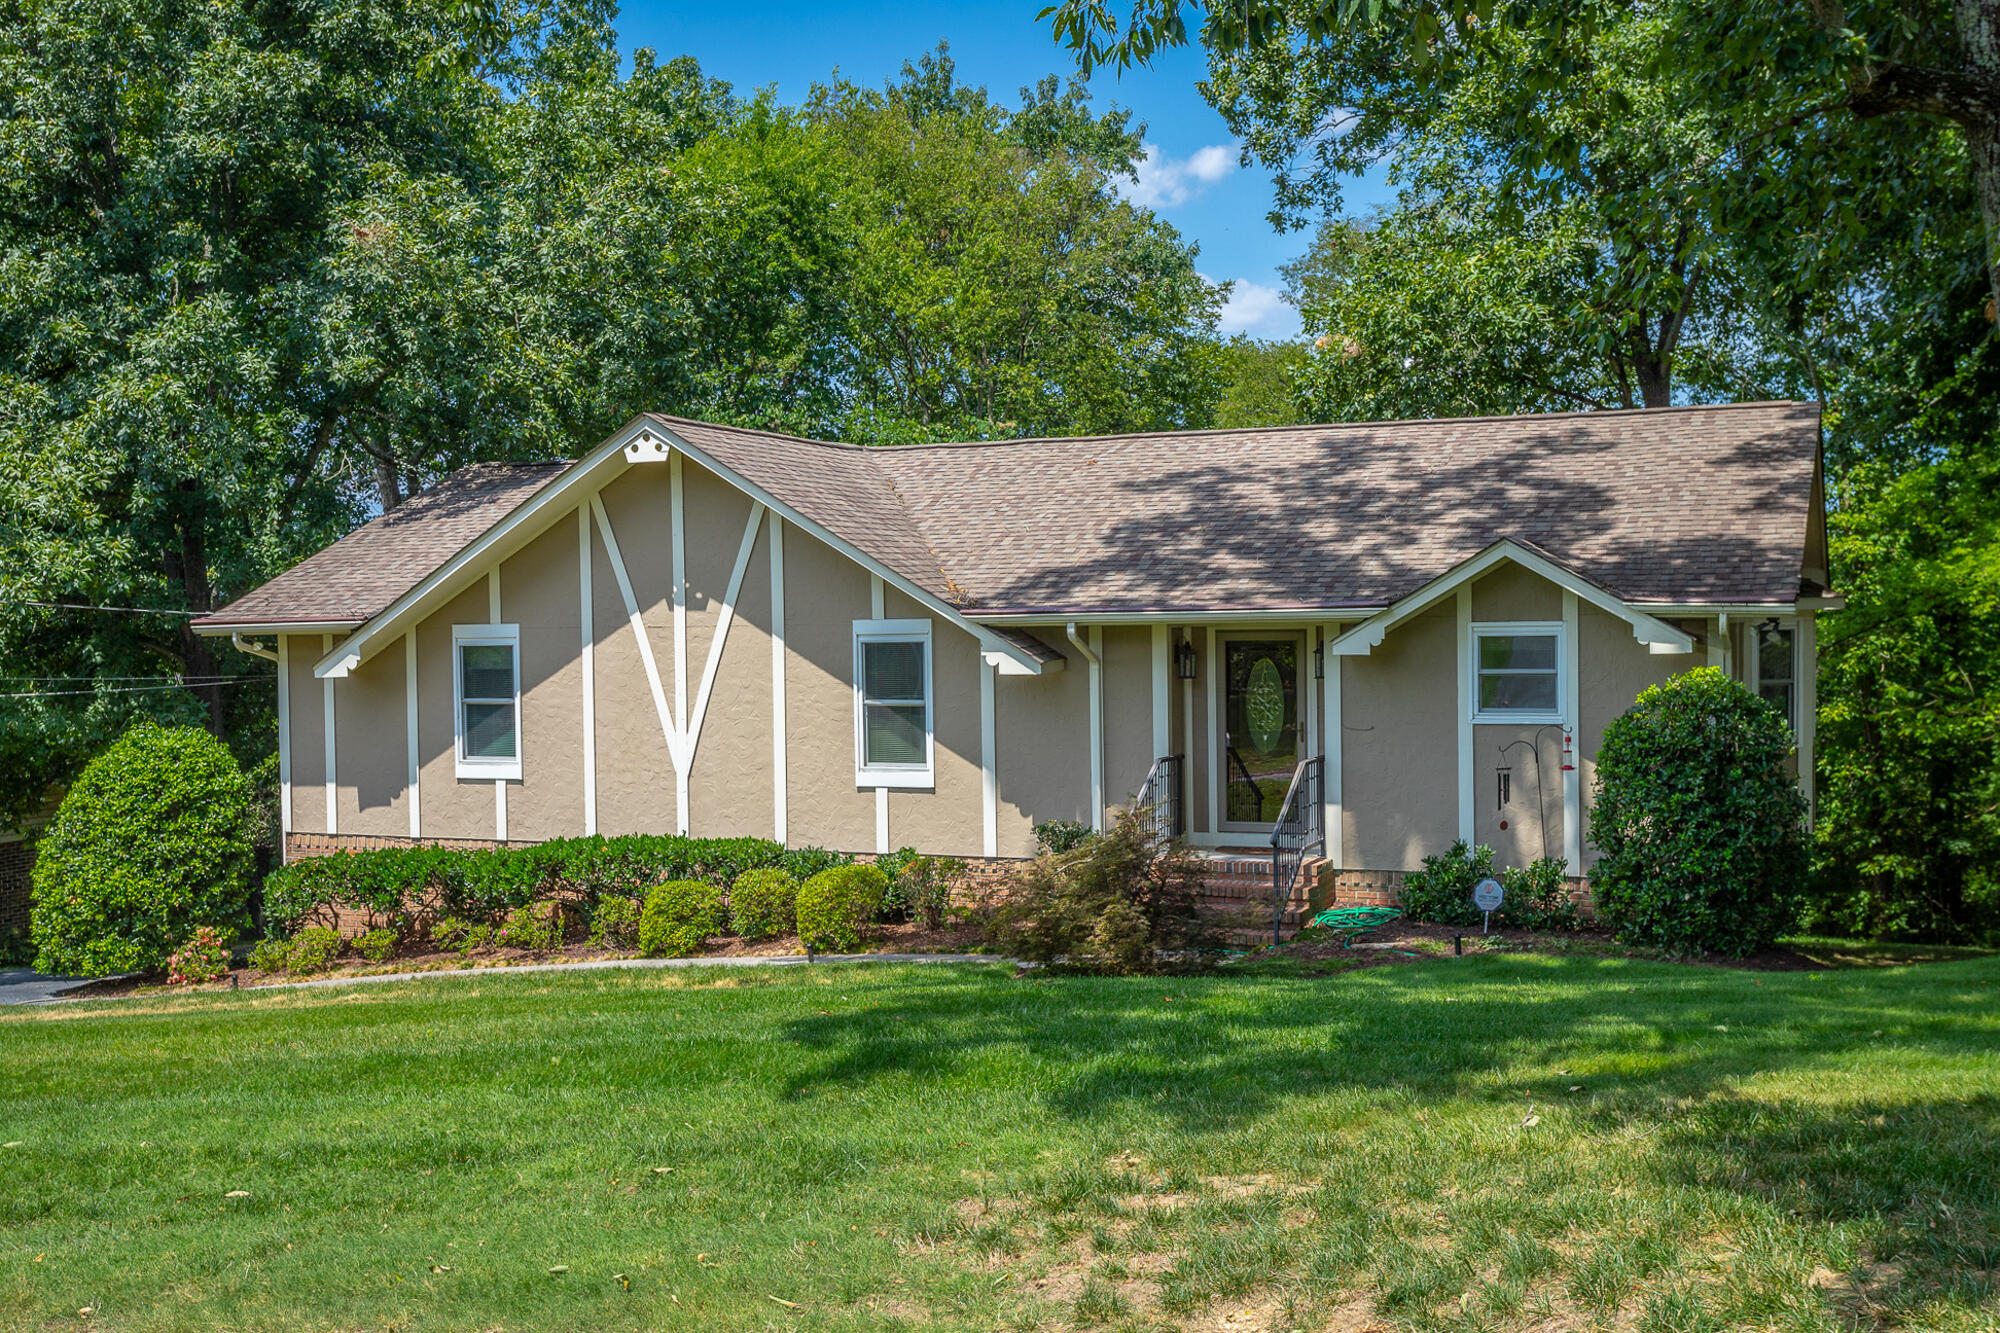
[635,774]
[450,807]
[825,594]
[1612,667]
[1128,710]
[371,719]
[540,591]
[1042,726]
[308,731]
[730,784]
[1400,764]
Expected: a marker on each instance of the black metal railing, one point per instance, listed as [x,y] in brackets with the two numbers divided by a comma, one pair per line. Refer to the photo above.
[1301,827]
[1161,793]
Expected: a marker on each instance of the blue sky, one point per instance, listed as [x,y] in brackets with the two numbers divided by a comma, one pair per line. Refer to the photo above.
[1191,177]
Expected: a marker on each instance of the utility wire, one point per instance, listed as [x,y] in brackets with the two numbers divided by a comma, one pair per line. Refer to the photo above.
[43,680]
[85,606]
[132,689]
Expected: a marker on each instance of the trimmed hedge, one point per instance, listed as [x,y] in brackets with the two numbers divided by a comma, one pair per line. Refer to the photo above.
[679,915]
[484,882]
[763,902]
[1700,824]
[153,841]
[835,905]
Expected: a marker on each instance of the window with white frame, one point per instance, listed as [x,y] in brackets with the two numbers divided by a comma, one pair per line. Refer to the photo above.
[486,700]
[1517,672]
[1777,670]
[892,703]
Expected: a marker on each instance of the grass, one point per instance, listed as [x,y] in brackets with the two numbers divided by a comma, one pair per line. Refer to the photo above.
[1498,1142]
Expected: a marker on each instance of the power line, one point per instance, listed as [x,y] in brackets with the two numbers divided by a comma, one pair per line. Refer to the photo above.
[85,606]
[187,680]
[134,689]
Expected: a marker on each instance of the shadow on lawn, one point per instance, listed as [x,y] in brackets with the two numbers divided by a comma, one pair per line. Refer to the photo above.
[1218,1053]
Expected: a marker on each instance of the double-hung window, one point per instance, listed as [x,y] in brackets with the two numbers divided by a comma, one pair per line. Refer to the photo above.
[1517,672]
[486,700]
[1777,670]
[892,703]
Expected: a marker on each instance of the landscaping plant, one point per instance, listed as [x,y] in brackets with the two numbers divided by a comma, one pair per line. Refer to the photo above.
[272,955]
[1440,890]
[1537,896]
[1699,825]
[314,949]
[1057,836]
[679,915]
[205,957]
[925,884]
[535,927]
[614,923]
[835,905]
[763,903]
[375,945]
[1123,902]
[154,840]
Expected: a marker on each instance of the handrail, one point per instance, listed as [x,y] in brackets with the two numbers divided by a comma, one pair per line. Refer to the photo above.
[1256,788]
[1161,793]
[1301,826]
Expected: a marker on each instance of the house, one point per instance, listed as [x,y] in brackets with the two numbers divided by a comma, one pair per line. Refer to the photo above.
[722,631]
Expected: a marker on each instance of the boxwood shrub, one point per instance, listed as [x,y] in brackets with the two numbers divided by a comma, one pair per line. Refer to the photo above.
[485,882]
[836,904]
[154,840]
[679,915]
[763,902]
[1699,825]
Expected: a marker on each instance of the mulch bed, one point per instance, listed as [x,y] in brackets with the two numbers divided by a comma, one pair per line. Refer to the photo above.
[900,937]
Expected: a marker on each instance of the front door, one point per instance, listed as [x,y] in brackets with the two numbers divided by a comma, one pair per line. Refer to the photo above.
[1262,736]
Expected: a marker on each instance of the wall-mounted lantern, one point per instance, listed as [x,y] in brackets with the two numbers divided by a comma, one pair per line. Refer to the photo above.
[1184,663]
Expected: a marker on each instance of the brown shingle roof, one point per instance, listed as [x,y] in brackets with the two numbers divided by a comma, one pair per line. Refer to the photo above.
[1697,504]
[1676,504]
[360,575]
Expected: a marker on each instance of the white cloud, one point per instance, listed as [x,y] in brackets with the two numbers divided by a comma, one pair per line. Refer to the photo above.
[1255,308]
[1166,182]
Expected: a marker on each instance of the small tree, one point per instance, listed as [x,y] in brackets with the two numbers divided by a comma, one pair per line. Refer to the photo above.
[154,841]
[1113,904]
[1700,827]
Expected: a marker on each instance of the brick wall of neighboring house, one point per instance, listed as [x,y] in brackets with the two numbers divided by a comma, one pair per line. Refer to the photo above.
[17,862]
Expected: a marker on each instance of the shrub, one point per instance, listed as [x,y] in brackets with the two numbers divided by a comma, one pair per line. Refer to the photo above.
[1057,836]
[375,945]
[205,957]
[679,915]
[479,883]
[535,927]
[1700,828]
[836,904]
[1440,892]
[892,864]
[615,922]
[314,949]
[1116,905]
[763,903]
[925,887]
[455,932]
[1538,896]
[154,840]
[272,955]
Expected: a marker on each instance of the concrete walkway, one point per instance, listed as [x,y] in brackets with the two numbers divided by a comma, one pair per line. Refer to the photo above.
[33,988]
[24,985]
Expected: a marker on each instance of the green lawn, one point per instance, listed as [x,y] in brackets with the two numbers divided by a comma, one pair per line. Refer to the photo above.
[1494,1142]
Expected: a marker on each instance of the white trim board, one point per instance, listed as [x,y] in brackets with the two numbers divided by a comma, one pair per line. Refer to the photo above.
[1365,637]
[647,440]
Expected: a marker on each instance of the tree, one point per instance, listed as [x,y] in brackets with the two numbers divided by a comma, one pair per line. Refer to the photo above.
[1772,70]
[999,285]
[1261,385]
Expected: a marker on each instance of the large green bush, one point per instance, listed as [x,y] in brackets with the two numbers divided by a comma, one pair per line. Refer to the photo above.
[486,882]
[155,839]
[1119,903]
[679,915]
[763,902]
[1700,827]
[1534,896]
[836,904]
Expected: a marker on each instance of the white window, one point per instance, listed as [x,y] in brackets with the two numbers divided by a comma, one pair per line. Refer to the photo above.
[1777,672]
[1517,672]
[892,703]
[486,700]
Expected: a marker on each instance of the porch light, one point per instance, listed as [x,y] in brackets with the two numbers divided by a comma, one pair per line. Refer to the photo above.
[1319,662]
[1184,663]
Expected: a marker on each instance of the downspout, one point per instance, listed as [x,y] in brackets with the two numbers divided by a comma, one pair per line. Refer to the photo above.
[243,645]
[1096,725]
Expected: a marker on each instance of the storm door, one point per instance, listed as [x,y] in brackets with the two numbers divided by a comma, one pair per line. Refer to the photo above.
[1263,737]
